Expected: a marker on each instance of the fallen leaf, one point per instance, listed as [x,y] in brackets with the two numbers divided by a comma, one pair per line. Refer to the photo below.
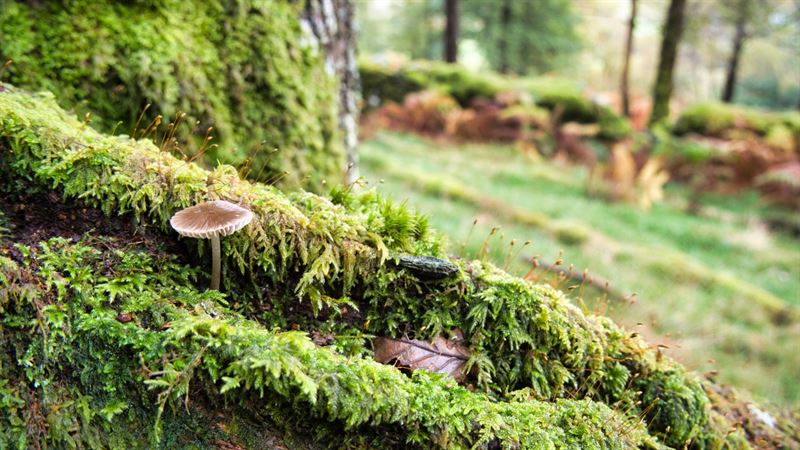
[321,339]
[440,356]
[124,318]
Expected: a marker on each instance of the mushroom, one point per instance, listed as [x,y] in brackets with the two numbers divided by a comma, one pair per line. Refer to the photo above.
[210,220]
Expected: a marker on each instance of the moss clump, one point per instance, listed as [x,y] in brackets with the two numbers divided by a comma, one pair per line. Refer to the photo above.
[239,67]
[323,265]
[714,119]
[394,83]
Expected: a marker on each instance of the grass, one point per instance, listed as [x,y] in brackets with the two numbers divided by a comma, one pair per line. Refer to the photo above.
[719,290]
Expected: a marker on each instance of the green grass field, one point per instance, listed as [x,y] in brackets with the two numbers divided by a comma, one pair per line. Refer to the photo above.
[719,289]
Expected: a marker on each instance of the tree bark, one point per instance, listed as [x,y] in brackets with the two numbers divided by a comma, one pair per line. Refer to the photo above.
[662,91]
[733,63]
[331,25]
[451,31]
[626,107]
[505,24]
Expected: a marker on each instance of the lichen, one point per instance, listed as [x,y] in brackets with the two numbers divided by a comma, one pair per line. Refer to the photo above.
[239,67]
[322,264]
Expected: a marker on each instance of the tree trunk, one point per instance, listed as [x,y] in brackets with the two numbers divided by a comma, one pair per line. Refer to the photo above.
[733,63]
[505,23]
[331,26]
[626,107]
[662,91]
[451,31]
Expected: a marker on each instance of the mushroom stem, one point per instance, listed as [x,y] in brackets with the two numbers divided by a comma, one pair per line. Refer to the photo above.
[215,263]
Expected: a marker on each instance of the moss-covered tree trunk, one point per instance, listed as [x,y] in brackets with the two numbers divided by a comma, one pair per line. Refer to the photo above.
[662,90]
[243,72]
[331,25]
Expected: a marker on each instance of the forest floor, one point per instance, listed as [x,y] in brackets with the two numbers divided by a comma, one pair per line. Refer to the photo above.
[720,290]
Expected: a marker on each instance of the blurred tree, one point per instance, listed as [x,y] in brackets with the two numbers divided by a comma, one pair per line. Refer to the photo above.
[671,36]
[451,31]
[523,36]
[626,64]
[753,18]
[502,44]
[742,10]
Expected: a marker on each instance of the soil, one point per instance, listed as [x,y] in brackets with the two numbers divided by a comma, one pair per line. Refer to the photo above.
[37,217]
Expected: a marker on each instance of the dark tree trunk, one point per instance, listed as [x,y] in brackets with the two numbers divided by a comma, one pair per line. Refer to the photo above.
[733,63]
[331,23]
[505,24]
[662,91]
[451,31]
[626,104]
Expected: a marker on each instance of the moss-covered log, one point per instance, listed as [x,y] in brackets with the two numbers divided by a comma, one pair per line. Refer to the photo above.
[322,265]
[243,67]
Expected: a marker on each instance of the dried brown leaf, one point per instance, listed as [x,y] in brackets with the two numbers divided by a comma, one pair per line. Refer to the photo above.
[440,356]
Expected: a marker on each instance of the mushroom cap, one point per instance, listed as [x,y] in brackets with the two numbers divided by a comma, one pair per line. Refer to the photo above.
[209,219]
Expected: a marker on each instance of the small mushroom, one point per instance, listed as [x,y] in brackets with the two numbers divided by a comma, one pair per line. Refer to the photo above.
[210,220]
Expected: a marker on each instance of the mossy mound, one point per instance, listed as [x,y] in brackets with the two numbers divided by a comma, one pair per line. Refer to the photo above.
[386,83]
[715,119]
[114,348]
[240,67]
[381,83]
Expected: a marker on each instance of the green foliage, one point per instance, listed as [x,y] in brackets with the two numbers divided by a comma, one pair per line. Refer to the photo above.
[539,36]
[238,67]
[334,255]
[765,91]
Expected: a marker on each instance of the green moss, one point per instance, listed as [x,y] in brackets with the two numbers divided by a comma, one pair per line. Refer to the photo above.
[781,137]
[179,336]
[310,261]
[381,84]
[714,119]
[239,67]
[394,83]
[676,403]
